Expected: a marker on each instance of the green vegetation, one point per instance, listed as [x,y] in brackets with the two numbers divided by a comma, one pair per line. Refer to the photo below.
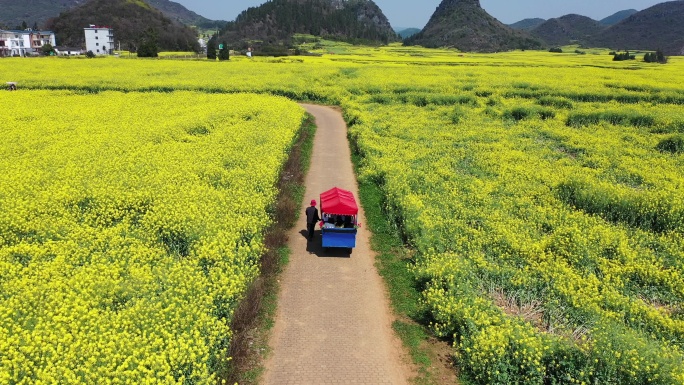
[672,144]
[148,44]
[47,50]
[224,51]
[623,56]
[655,57]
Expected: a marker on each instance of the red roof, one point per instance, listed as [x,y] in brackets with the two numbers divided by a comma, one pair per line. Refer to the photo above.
[338,201]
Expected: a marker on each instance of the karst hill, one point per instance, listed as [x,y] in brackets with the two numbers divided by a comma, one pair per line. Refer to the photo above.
[660,26]
[568,29]
[275,22]
[13,12]
[465,25]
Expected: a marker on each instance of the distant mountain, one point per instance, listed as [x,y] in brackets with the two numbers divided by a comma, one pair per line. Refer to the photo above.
[618,17]
[463,24]
[408,32]
[274,22]
[131,21]
[661,26]
[567,30]
[14,12]
[175,11]
[527,24]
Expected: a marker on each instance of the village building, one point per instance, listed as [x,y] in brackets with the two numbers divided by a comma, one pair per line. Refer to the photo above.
[24,43]
[99,40]
[69,51]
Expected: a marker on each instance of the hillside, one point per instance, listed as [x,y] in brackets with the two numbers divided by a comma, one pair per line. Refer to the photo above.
[274,22]
[527,24]
[568,29]
[13,12]
[130,19]
[463,24]
[618,17]
[661,26]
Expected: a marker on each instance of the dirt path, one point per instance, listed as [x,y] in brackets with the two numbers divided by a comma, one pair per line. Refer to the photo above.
[333,324]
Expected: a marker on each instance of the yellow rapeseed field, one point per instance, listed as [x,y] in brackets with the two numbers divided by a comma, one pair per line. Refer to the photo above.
[541,192]
[131,224]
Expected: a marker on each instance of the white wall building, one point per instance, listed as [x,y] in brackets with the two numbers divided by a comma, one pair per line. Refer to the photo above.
[99,40]
[24,43]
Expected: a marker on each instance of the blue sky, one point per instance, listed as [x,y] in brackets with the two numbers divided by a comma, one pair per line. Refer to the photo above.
[415,13]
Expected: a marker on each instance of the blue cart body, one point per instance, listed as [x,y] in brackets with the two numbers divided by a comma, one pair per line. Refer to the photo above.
[345,238]
[338,207]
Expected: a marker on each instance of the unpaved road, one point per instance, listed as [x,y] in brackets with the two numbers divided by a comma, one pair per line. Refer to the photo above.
[333,324]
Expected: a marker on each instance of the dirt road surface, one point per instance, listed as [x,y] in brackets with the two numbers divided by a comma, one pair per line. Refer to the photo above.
[333,324]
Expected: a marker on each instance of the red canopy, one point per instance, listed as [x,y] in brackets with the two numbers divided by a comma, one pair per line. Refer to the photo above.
[339,202]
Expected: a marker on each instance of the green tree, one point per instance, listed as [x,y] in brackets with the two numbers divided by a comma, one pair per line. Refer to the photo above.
[148,45]
[224,52]
[623,56]
[655,57]
[211,48]
[47,50]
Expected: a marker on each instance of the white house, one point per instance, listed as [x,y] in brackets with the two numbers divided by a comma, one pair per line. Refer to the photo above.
[24,43]
[99,40]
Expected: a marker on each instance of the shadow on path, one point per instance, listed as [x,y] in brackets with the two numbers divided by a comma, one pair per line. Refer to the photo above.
[314,247]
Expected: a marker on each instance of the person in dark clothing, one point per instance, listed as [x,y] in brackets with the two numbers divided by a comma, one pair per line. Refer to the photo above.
[311,218]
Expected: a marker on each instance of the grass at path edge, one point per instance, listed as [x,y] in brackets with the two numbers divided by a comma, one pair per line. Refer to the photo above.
[255,315]
[393,260]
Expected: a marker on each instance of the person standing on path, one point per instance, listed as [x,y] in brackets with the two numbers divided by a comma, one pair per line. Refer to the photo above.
[311,219]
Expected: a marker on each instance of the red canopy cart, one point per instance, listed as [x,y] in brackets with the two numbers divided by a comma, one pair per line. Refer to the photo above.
[339,212]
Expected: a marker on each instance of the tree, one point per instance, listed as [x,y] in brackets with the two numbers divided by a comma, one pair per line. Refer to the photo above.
[24,26]
[623,56]
[211,48]
[148,46]
[224,53]
[47,50]
[655,57]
